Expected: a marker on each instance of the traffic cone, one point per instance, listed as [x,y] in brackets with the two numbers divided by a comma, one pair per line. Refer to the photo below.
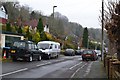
[4,56]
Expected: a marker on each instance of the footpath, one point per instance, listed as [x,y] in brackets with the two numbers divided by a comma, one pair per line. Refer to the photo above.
[97,71]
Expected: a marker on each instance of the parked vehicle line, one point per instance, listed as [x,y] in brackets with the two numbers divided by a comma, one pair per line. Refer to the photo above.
[14,72]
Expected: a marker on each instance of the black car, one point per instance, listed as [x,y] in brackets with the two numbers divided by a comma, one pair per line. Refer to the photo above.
[69,52]
[25,50]
[78,52]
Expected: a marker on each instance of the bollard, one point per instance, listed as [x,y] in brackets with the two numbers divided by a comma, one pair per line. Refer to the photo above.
[4,54]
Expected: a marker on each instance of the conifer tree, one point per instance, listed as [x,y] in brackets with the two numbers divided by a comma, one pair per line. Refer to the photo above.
[40,26]
[85,38]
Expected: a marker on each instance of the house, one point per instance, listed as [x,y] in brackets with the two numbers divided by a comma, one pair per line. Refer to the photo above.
[3,15]
[3,20]
[33,25]
[7,38]
[46,28]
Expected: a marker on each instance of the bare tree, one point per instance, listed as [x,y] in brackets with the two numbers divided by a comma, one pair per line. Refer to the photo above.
[112,25]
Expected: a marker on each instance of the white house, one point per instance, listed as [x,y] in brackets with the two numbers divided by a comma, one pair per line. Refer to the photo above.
[3,14]
[46,28]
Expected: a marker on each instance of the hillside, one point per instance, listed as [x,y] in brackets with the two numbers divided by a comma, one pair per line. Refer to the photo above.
[59,25]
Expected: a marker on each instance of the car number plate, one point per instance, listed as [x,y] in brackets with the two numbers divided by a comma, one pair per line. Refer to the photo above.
[87,55]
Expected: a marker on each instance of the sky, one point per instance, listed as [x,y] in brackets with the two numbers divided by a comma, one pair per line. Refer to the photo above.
[84,12]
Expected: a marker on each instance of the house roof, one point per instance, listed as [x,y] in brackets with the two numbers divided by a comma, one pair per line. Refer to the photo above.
[7,32]
[32,23]
[4,8]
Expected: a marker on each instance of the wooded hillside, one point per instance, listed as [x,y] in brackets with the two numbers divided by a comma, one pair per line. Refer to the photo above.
[59,26]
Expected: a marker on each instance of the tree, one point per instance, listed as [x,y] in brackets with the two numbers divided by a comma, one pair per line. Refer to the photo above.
[28,35]
[85,38]
[40,26]
[36,37]
[43,36]
[20,30]
[112,25]
[8,27]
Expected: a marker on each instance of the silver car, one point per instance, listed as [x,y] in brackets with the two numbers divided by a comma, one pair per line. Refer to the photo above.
[69,52]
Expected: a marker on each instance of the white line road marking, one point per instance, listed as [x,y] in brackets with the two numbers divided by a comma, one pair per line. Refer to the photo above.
[48,63]
[43,64]
[40,65]
[75,65]
[77,70]
[61,60]
[13,72]
[88,69]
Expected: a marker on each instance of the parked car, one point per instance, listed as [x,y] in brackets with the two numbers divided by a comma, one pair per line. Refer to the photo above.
[25,50]
[50,49]
[98,52]
[89,54]
[78,52]
[69,52]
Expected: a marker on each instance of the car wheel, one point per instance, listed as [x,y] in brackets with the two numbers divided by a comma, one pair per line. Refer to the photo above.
[83,59]
[57,56]
[49,56]
[39,58]
[30,58]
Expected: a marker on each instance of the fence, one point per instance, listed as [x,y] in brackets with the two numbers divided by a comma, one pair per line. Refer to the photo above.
[112,66]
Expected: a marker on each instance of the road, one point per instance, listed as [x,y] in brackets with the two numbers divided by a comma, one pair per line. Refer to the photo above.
[63,67]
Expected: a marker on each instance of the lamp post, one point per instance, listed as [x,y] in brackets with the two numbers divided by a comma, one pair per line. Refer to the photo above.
[53,10]
[102,30]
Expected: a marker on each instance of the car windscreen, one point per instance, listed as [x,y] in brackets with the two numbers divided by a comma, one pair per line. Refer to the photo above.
[87,52]
[78,50]
[19,44]
[43,46]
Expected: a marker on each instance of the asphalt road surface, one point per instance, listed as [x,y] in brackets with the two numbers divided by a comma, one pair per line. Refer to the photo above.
[62,67]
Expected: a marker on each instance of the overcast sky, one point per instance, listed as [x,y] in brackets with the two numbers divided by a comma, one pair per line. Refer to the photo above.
[84,12]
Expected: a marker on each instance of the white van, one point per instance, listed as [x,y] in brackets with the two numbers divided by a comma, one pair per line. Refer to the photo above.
[49,48]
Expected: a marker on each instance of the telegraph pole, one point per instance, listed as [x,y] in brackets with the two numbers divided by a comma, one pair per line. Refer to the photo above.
[102,30]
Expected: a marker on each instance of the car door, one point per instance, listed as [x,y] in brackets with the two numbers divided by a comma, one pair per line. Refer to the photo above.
[35,52]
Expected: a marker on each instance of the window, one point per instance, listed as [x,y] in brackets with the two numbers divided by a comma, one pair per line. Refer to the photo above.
[43,46]
[32,46]
[9,40]
[55,46]
[19,44]
[29,46]
[58,46]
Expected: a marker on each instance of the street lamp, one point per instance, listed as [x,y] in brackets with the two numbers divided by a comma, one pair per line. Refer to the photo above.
[53,10]
[102,29]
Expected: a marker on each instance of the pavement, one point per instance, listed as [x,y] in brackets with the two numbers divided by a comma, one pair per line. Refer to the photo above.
[97,70]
